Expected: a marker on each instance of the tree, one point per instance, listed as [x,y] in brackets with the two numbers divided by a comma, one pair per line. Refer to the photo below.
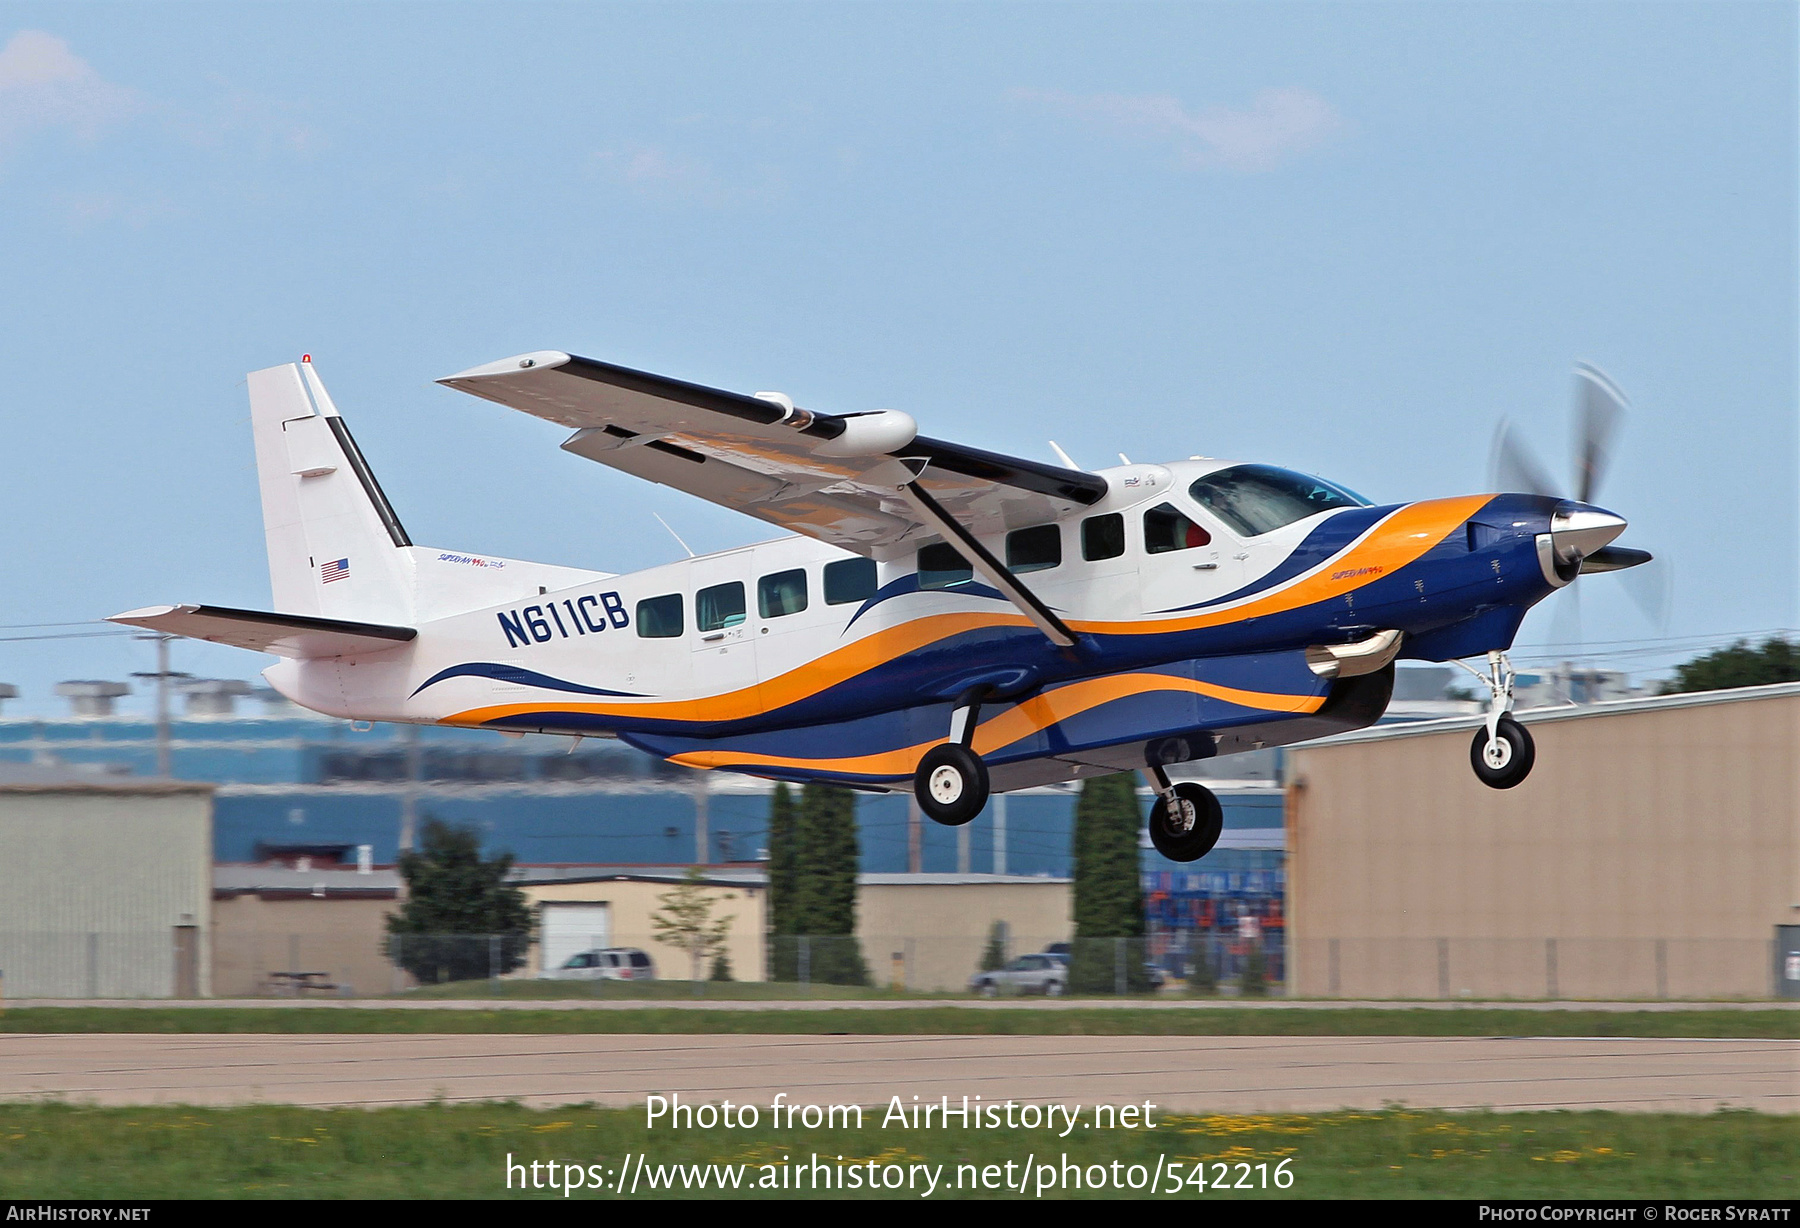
[993,956]
[685,922]
[1253,978]
[1109,898]
[783,869]
[826,862]
[461,919]
[1202,978]
[1776,660]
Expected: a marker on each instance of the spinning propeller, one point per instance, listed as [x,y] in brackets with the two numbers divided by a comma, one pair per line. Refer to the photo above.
[1584,534]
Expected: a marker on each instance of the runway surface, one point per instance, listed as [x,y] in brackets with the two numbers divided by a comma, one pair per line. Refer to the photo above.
[1250,1074]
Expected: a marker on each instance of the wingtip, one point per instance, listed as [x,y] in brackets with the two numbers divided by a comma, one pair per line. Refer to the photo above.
[133,617]
[509,366]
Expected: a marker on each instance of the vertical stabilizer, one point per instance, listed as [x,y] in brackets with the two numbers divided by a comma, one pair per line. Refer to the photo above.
[336,548]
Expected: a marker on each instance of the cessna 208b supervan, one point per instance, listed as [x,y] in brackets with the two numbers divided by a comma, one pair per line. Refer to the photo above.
[940,617]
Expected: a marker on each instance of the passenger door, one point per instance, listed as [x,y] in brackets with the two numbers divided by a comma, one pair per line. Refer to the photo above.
[724,649]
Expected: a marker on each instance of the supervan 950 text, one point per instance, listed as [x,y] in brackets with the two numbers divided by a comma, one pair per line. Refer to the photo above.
[565,618]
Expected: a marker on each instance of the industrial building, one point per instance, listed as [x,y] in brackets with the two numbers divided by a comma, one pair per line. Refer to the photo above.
[108,885]
[1653,852]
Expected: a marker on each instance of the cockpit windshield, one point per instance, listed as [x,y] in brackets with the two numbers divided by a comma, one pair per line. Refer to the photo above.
[1258,499]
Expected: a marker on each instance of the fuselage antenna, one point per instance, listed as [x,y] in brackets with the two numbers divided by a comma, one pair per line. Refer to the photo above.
[675,535]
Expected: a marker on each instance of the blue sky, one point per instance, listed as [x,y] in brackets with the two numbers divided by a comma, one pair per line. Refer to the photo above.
[1346,238]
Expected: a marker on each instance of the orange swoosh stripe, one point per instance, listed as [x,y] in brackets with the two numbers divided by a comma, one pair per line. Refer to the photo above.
[1013,725]
[834,667]
[1397,541]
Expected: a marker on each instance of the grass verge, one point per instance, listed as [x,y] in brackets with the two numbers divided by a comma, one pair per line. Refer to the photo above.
[461,1151]
[923,1021]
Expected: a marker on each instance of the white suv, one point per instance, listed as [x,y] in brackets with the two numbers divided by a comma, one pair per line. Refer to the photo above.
[605,964]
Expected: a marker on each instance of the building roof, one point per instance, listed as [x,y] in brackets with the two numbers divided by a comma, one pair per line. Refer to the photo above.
[1535,716]
[37,778]
[746,876]
[280,882]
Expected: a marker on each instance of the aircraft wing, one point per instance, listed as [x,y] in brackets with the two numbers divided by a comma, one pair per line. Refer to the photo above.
[841,478]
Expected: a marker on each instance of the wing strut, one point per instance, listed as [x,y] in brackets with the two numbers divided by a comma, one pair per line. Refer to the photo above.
[987,566]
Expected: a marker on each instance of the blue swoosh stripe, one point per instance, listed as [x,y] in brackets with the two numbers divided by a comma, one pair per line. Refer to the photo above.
[1328,539]
[522,677]
[909,583]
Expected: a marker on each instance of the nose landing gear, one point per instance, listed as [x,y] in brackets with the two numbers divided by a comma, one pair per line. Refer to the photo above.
[1186,819]
[1502,752]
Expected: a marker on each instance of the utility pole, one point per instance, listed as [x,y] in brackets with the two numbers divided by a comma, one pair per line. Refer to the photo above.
[409,800]
[999,810]
[915,836]
[702,838]
[163,677]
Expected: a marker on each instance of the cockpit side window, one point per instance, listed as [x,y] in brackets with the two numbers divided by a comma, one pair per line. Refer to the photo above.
[1258,499]
[1166,529]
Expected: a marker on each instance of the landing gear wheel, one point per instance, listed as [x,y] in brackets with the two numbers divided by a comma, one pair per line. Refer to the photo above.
[951,784]
[1507,760]
[1187,831]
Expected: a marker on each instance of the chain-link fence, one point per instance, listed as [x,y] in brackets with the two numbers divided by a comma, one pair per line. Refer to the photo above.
[187,962]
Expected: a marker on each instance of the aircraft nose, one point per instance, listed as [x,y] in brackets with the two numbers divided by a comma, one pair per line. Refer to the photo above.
[1580,529]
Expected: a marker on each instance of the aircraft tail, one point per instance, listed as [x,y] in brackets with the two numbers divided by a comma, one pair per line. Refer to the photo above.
[336,548]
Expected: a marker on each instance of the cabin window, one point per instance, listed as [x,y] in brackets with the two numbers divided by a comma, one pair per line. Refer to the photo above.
[1258,499]
[1035,549]
[940,566]
[659,618]
[849,580]
[1103,537]
[782,593]
[1166,529]
[720,606]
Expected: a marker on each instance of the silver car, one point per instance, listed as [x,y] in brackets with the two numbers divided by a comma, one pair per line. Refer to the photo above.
[605,964]
[1045,974]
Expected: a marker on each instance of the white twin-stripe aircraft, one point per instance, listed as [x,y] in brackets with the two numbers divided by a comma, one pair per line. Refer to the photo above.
[939,617]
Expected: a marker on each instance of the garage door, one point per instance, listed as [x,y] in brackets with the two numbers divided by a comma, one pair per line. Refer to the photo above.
[570,929]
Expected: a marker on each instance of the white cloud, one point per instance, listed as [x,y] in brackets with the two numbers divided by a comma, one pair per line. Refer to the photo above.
[657,173]
[45,85]
[1276,125]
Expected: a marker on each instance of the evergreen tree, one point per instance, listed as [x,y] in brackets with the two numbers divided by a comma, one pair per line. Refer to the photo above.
[1202,978]
[1109,897]
[1777,660]
[827,857]
[993,956]
[460,912]
[1253,978]
[783,876]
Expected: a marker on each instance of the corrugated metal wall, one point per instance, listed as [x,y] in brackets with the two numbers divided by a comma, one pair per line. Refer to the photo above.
[1650,854]
[96,883]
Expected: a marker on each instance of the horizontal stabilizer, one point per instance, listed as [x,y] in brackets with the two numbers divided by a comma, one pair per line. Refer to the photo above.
[286,635]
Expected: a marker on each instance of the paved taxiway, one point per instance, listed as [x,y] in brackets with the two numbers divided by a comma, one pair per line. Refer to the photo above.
[1246,1074]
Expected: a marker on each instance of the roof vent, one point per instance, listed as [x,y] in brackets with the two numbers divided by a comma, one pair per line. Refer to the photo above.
[91,698]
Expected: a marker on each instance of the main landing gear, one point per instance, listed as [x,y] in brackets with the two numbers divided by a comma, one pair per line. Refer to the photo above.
[1502,751]
[1186,819]
[952,781]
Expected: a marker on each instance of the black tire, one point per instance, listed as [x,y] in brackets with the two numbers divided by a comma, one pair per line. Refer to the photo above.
[951,784]
[1514,755]
[1196,841]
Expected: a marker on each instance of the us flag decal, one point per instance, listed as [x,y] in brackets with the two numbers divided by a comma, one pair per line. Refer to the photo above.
[337,570]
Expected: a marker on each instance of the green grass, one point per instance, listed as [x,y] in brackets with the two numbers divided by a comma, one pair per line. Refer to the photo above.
[917,1021]
[460,1151]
